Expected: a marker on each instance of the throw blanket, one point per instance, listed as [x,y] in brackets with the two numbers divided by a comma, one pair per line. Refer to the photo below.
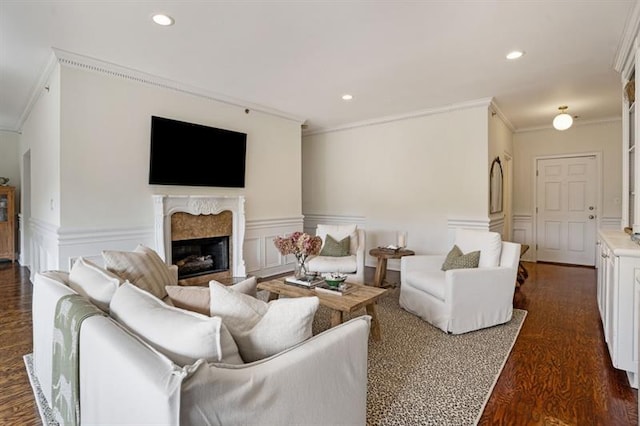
[71,310]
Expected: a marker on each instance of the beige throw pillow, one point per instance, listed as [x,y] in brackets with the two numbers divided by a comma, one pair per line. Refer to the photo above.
[183,336]
[141,267]
[263,329]
[93,282]
[197,299]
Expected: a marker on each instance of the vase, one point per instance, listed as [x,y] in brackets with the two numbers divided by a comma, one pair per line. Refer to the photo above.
[301,269]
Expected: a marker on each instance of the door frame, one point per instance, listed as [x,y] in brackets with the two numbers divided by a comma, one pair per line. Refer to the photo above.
[599,195]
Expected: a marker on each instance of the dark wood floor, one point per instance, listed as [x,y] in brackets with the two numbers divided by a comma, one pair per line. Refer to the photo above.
[559,372]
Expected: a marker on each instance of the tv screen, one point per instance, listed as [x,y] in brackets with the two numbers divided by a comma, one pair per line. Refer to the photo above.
[195,155]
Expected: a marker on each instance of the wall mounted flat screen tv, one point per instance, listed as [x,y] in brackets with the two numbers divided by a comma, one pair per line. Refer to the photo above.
[195,155]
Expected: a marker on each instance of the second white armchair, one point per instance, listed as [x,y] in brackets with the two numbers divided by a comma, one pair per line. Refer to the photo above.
[462,300]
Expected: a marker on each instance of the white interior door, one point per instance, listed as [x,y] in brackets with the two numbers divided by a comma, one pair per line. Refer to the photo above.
[566,210]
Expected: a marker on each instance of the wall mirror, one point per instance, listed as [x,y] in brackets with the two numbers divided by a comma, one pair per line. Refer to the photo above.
[495,186]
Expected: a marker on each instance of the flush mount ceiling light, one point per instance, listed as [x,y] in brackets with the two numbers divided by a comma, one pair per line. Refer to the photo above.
[563,120]
[347,97]
[515,54]
[164,20]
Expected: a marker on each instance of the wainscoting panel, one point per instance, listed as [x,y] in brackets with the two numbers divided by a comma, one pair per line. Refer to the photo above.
[610,223]
[262,259]
[43,247]
[89,243]
[523,234]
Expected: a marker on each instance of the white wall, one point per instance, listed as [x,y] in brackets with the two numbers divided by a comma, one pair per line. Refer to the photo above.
[89,140]
[412,174]
[501,145]
[9,157]
[604,138]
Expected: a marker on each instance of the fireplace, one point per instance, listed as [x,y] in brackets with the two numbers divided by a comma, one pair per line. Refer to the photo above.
[200,256]
[188,225]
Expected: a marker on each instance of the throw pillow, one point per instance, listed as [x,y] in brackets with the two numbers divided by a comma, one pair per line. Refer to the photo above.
[259,328]
[489,244]
[334,248]
[339,232]
[457,260]
[93,282]
[198,299]
[182,336]
[141,267]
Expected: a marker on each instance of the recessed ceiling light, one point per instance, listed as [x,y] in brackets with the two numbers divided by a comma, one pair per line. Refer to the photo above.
[164,20]
[515,54]
[347,97]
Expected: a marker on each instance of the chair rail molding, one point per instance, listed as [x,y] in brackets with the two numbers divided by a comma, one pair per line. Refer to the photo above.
[611,222]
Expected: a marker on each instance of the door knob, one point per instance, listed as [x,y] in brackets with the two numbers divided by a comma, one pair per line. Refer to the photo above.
[591,207]
[591,216]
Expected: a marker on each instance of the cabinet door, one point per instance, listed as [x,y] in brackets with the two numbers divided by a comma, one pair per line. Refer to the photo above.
[611,302]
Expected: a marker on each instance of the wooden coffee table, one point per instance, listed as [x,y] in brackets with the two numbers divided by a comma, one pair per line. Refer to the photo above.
[363,296]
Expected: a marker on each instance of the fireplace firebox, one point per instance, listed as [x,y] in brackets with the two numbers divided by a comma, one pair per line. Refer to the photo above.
[200,256]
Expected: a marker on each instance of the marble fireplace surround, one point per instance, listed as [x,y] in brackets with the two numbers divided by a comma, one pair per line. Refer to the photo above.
[167,205]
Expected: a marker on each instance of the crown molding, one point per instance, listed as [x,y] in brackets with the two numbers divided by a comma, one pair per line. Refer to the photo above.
[36,92]
[623,55]
[575,124]
[485,102]
[503,117]
[86,63]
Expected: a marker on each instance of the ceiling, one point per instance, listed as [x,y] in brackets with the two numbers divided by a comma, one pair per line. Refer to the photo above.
[300,57]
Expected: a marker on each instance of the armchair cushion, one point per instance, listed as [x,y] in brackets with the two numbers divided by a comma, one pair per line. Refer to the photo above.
[342,264]
[489,244]
[457,260]
[334,248]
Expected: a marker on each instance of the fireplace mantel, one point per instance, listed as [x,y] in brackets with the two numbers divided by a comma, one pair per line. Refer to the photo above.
[166,205]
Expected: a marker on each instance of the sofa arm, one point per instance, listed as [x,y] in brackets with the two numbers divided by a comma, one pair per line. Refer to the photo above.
[320,381]
[122,380]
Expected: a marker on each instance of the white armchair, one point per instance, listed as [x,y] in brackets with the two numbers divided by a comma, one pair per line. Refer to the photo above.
[353,263]
[462,300]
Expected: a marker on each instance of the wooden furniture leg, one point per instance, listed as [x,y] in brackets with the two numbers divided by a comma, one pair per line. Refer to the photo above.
[336,317]
[375,324]
[381,272]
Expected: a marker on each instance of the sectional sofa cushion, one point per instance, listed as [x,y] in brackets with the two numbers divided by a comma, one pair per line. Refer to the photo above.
[141,267]
[93,282]
[181,335]
[259,328]
[197,299]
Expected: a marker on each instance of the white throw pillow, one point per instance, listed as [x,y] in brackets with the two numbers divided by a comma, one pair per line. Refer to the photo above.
[141,267]
[489,244]
[198,299]
[181,335]
[93,282]
[263,329]
[339,232]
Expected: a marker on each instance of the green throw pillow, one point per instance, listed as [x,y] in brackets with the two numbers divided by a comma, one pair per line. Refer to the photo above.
[335,248]
[457,260]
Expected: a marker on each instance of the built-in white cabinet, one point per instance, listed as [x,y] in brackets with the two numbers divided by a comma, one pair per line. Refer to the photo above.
[618,270]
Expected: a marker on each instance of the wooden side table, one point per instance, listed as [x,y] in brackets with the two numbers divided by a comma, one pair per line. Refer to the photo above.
[383,254]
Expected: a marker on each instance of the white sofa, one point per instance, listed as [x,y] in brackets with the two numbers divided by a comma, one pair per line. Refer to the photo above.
[123,380]
[462,300]
[351,265]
